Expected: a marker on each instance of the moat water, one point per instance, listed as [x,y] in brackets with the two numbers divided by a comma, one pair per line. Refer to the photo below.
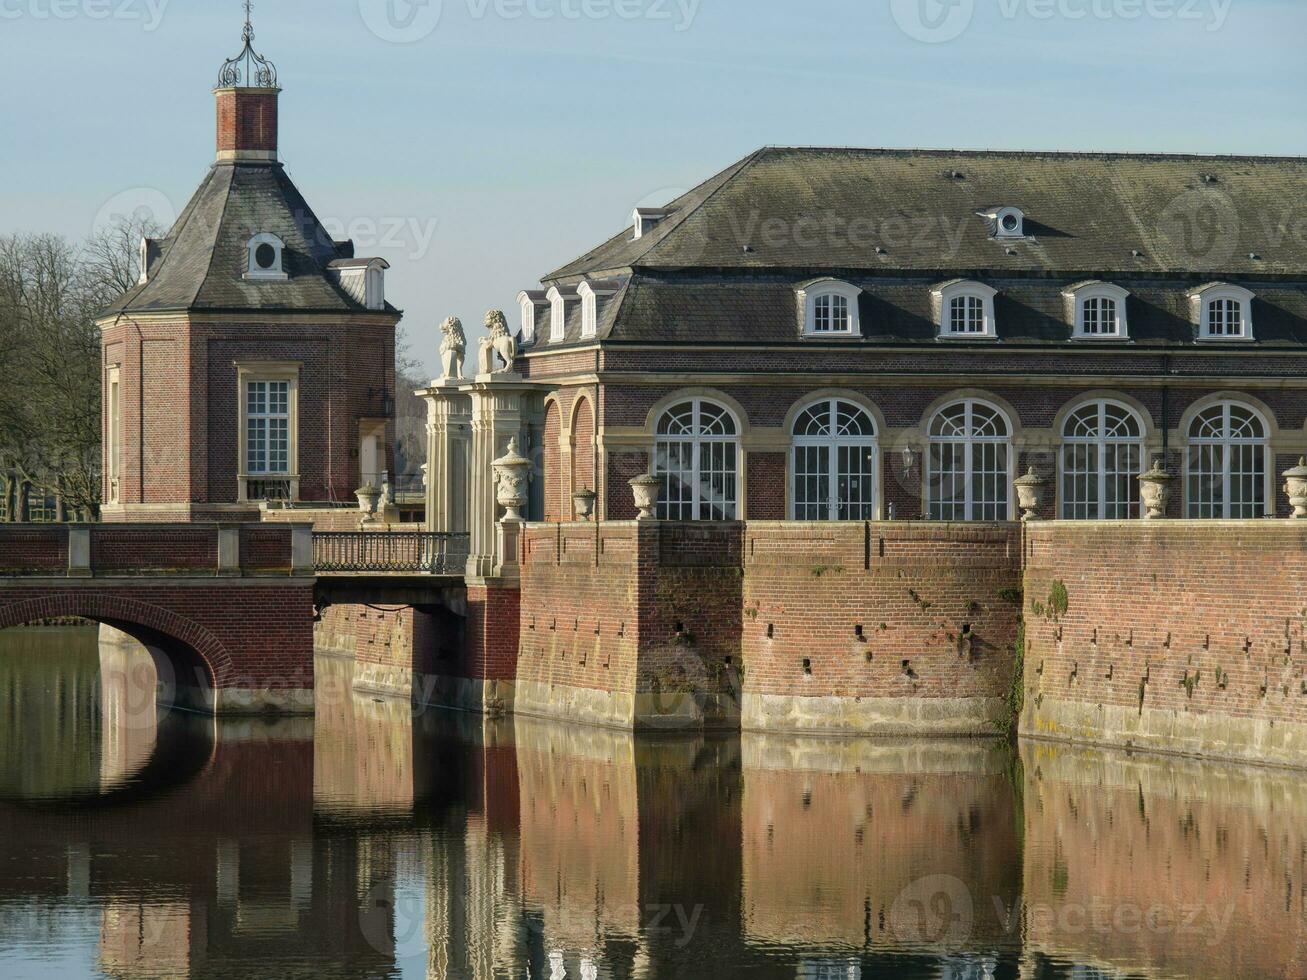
[371,841]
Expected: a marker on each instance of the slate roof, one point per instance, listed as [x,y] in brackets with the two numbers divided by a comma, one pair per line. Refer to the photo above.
[203,260]
[897,222]
[1086,212]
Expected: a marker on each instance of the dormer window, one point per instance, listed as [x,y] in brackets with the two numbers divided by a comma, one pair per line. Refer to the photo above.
[559,297]
[1222,311]
[591,293]
[532,302]
[363,279]
[1098,311]
[830,309]
[265,258]
[1006,223]
[964,310]
[149,254]
[647,219]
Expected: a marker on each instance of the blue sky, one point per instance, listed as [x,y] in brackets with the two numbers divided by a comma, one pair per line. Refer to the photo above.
[479,149]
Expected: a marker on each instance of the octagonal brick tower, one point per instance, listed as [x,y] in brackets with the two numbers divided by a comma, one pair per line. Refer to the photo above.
[254,359]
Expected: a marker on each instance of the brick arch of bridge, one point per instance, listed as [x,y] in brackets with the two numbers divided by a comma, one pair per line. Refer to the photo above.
[144,621]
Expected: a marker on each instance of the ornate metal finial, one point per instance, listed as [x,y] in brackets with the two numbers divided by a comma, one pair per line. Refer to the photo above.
[249,69]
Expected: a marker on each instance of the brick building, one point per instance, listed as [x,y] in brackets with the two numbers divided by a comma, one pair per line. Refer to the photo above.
[255,358]
[841,334]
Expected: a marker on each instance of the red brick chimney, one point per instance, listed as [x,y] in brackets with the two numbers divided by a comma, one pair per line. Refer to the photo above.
[247,103]
[247,123]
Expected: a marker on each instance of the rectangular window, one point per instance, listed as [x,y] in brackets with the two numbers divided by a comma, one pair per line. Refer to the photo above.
[267,427]
[269,455]
[113,448]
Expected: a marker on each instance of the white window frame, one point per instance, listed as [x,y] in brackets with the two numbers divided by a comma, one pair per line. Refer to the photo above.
[528,307]
[268,371]
[558,312]
[833,443]
[698,441]
[1226,443]
[999,214]
[590,293]
[1200,306]
[1101,444]
[253,271]
[1079,295]
[943,297]
[969,441]
[809,294]
[113,446]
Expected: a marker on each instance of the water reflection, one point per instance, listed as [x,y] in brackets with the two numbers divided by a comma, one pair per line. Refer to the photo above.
[370,842]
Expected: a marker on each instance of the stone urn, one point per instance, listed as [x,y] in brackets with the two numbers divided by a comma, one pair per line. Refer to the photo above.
[1155,488]
[511,481]
[583,503]
[1295,486]
[369,498]
[1030,494]
[645,487]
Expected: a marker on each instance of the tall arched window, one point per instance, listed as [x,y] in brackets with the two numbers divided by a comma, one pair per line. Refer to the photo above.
[834,463]
[1228,460]
[697,456]
[969,468]
[1102,457]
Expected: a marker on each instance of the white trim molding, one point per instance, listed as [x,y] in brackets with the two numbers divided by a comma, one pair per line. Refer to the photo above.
[1237,302]
[558,298]
[1087,323]
[532,302]
[842,308]
[590,292]
[275,272]
[945,294]
[274,372]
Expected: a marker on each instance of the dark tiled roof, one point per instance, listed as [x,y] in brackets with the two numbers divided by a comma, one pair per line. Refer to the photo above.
[203,260]
[1026,310]
[830,209]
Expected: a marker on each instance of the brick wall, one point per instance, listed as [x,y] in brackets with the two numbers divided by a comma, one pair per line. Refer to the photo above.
[837,609]
[553,467]
[1181,635]
[766,486]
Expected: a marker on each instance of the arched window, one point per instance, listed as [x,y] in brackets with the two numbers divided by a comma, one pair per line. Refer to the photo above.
[1102,457]
[964,309]
[1227,465]
[969,469]
[1098,310]
[1223,311]
[697,456]
[830,308]
[834,463]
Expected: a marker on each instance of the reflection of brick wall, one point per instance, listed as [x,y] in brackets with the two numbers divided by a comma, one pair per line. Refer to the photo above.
[1174,635]
[829,844]
[1156,866]
[913,591]
[580,841]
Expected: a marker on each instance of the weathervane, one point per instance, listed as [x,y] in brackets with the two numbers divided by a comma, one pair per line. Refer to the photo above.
[249,69]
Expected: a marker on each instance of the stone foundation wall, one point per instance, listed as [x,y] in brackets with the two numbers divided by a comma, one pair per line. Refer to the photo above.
[881,628]
[1170,636]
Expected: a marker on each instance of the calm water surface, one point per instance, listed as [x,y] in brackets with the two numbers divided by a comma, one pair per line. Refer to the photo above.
[371,843]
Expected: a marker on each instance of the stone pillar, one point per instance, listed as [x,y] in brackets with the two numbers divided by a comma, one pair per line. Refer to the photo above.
[497,416]
[449,425]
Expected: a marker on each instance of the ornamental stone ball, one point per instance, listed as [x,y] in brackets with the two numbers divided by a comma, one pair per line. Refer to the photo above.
[453,349]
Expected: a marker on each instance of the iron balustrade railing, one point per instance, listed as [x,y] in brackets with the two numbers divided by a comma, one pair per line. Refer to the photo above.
[383,551]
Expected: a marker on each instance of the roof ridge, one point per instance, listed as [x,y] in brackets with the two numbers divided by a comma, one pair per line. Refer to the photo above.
[728,175]
[1069,154]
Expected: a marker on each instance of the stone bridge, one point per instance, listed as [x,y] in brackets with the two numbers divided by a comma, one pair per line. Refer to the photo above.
[227,611]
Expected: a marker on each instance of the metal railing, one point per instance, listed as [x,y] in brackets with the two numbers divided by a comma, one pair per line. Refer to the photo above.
[397,552]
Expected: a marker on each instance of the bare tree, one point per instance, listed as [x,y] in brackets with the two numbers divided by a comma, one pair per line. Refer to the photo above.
[50,295]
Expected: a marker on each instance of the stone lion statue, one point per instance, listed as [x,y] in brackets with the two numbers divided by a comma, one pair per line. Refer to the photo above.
[453,348]
[500,342]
